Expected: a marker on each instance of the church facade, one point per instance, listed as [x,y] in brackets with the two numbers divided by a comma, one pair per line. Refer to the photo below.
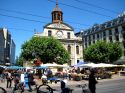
[65,34]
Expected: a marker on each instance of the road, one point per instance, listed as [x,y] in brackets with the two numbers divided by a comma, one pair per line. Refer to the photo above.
[114,86]
[104,86]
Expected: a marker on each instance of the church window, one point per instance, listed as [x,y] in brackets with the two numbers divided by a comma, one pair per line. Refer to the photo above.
[68,35]
[77,49]
[49,33]
[69,49]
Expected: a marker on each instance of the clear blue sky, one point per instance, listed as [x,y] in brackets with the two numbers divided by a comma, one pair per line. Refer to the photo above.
[87,13]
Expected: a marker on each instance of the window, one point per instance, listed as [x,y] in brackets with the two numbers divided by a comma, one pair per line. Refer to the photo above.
[110,32]
[85,39]
[89,38]
[93,37]
[49,33]
[110,38]
[116,31]
[117,38]
[97,36]
[104,34]
[69,49]
[68,35]
[93,41]
[85,45]
[123,28]
[77,49]
[89,42]
[77,61]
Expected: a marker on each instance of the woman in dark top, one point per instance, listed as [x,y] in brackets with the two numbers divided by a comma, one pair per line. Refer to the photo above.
[92,82]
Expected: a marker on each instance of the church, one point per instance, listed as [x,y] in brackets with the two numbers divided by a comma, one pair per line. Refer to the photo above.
[65,34]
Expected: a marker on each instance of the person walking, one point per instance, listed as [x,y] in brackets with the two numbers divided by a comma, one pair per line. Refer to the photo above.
[9,79]
[92,82]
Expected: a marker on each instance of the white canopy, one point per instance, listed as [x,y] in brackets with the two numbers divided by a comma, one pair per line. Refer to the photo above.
[54,65]
[97,65]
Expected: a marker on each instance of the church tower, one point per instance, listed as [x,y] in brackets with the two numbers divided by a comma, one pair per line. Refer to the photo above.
[57,15]
[65,34]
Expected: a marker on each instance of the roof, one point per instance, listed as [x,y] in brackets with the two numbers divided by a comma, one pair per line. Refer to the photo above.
[61,23]
[56,8]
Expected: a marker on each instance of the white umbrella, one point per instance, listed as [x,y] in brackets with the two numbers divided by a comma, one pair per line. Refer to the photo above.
[97,65]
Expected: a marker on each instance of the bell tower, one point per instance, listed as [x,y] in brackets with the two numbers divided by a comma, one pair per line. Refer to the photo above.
[57,15]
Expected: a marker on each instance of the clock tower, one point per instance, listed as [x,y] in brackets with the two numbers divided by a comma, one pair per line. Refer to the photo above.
[65,34]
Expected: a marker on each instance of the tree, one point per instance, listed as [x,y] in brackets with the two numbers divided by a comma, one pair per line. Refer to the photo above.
[103,52]
[47,49]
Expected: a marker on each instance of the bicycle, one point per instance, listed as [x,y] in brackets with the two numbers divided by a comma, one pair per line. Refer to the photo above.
[2,90]
[84,87]
[44,88]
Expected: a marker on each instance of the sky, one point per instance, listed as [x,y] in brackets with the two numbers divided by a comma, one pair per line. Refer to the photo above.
[21,17]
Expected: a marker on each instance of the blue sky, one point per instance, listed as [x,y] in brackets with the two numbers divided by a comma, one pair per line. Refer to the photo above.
[80,15]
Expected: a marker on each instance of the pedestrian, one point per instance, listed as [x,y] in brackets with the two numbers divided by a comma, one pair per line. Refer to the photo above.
[9,79]
[92,81]
[30,81]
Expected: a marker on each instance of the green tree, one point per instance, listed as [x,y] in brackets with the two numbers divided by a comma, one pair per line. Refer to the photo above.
[103,52]
[49,50]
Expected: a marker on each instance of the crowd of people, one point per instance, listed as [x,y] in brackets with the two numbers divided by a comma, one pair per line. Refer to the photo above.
[27,78]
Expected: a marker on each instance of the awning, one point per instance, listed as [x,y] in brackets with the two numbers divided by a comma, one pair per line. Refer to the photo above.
[92,65]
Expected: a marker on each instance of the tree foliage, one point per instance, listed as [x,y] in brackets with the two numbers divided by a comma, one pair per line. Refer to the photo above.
[49,50]
[103,52]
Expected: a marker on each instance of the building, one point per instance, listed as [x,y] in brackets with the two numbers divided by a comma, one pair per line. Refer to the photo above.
[6,47]
[65,33]
[111,31]
[2,42]
[12,52]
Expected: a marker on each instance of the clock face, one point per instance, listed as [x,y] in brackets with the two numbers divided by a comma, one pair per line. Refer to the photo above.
[59,34]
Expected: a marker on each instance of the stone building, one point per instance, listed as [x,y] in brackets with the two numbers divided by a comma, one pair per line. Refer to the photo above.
[65,33]
[110,31]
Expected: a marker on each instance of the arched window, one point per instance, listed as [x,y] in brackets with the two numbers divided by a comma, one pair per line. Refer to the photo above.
[77,49]
[49,33]
[69,49]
